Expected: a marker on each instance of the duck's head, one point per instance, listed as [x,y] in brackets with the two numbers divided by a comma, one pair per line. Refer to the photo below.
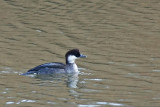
[72,55]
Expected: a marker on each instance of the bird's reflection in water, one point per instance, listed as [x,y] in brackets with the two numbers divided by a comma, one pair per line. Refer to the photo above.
[71,80]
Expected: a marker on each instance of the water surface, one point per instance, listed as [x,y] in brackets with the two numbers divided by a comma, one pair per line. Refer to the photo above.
[121,39]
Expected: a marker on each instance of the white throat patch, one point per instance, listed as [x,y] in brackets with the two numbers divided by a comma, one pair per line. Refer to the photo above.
[71,58]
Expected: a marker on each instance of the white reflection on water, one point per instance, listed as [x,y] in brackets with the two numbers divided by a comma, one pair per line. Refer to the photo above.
[88,105]
[7,70]
[101,103]
[108,103]
[50,102]
[21,101]
[156,70]
[25,100]
[28,101]
[10,102]
[95,79]
[4,92]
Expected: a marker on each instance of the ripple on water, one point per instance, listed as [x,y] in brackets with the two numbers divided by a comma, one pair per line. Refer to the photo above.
[21,101]
[98,104]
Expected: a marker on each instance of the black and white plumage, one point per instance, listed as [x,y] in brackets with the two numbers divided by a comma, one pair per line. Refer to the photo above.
[56,67]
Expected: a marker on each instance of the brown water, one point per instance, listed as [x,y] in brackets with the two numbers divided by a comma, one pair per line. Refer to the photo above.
[120,37]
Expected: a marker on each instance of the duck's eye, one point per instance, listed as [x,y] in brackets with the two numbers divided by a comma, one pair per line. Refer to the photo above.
[77,54]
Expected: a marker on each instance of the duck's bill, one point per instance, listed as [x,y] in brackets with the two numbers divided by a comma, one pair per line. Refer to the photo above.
[83,56]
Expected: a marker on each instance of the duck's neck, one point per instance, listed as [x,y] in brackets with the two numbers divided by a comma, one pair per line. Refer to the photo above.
[71,68]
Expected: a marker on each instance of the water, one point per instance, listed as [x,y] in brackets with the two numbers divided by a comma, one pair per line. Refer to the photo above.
[121,39]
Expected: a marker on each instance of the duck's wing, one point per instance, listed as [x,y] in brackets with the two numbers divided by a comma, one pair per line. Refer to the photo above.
[46,68]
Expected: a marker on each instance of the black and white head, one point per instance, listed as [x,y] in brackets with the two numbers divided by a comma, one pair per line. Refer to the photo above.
[72,55]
